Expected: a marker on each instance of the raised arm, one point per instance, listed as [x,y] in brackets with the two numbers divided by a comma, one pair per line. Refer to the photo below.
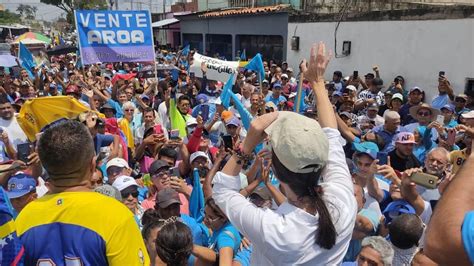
[315,74]
[444,242]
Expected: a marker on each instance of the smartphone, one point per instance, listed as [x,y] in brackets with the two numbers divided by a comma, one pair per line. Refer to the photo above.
[425,180]
[355,75]
[98,74]
[174,171]
[451,139]
[174,134]
[440,119]
[192,75]
[204,113]
[23,150]
[228,143]
[442,73]
[382,157]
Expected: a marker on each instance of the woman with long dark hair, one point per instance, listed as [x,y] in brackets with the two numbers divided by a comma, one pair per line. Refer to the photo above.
[314,226]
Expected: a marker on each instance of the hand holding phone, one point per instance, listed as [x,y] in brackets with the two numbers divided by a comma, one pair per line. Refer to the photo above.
[174,134]
[23,151]
[440,119]
[425,180]
[228,142]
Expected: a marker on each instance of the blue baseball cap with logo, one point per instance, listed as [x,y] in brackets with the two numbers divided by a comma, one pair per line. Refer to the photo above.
[396,208]
[366,147]
[20,185]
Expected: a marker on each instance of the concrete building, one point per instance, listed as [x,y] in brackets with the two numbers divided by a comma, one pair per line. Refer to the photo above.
[412,39]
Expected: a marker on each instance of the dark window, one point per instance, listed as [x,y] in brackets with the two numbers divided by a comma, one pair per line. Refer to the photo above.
[270,46]
[220,44]
[195,41]
[469,87]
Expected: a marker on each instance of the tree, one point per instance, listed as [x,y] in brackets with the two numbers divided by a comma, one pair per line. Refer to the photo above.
[7,17]
[26,11]
[69,6]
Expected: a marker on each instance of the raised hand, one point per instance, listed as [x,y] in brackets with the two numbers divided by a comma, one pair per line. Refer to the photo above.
[318,62]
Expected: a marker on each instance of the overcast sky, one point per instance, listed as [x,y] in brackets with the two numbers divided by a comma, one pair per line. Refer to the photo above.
[51,13]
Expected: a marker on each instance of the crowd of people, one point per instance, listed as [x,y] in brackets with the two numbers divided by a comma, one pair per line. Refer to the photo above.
[161,170]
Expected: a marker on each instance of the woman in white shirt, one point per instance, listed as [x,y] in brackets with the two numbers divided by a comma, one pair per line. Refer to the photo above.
[314,226]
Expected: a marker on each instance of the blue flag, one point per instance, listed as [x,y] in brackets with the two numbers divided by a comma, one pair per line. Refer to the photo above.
[226,91]
[61,40]
[245,116]
[196,200]
[243,56]
[27,60]
[302,103]
[186,50]
[256,64]
[79,59]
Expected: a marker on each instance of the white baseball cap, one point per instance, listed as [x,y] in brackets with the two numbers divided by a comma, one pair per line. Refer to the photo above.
[468,115]
[122,182]
[198,154]
[290,135]
[119,162]
[351,87]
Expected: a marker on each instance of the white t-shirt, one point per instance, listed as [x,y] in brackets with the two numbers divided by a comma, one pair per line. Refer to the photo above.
[287,235]
[163,115]
[14,131]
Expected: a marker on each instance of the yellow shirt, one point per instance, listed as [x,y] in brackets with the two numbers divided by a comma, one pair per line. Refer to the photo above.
[83,228]
[457,159]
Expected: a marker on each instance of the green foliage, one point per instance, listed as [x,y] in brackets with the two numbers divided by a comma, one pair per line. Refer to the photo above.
[26,11]
[7,17]
[68,7]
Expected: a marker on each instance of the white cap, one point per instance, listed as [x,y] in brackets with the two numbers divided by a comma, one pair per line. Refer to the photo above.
[468,115]
[292,95]
[290,134]
[119,162]
[198,154]
[122,182]
[351,87]
[284,76]
[191,121]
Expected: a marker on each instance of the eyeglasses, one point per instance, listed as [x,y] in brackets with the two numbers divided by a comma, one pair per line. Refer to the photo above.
[160,174]
[129,110]
[424,113]
[125,194]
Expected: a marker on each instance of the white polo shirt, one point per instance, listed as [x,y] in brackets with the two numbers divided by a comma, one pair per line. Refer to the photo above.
[287,236]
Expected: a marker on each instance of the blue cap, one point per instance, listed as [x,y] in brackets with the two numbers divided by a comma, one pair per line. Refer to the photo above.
[277,85]
[144,96]
[366,147]
[396,208]
[20,185]
[202,98]
[449,107]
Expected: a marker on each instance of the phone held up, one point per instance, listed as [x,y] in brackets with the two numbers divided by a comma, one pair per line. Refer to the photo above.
[425,180]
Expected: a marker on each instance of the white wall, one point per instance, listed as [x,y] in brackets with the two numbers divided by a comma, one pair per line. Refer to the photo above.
[417,50]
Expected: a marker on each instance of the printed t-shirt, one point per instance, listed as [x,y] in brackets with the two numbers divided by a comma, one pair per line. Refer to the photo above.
[80,228]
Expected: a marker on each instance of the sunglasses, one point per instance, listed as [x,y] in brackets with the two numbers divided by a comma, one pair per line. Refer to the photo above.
[125,194]
[160,174]
[460,100]
[424,113]
[129,110]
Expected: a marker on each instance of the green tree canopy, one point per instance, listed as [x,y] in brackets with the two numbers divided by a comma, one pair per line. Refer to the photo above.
[69,6]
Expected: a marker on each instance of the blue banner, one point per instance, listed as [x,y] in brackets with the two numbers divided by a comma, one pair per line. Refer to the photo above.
[114,36]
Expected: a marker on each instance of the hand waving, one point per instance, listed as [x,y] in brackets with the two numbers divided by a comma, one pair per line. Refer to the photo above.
[318,62]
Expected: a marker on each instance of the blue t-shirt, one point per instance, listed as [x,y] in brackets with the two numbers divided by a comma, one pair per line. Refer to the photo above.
[200,236]
[439,101]
[276,101]
[467,234]
[226,236]
[117,107]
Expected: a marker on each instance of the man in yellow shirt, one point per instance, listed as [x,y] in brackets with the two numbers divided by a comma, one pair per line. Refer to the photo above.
[72,224]
[458,157]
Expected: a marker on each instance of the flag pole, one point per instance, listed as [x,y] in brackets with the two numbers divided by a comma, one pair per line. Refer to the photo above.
[300,89]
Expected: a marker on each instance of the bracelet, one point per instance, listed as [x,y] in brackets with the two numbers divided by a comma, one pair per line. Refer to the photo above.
[243,158]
